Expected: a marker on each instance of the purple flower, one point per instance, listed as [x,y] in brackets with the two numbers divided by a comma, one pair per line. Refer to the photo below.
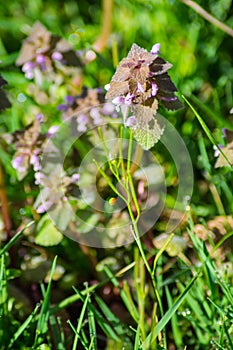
[82,128]
[44,207]
[118,100]
[28,69]
[57,56]
[39,117]
[35,161]
[216,150]
[155,49]
[38,177]
[52,130]
[28,66]
[41,60]
[82,122]
[18,163]
[63,107]
[82,119]
[95,114]
[128,99]
[108,108]
[131,121]
[75,177]
[224,132]
[70,99]
[154,89]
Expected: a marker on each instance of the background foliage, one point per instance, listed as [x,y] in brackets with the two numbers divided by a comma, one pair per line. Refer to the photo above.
[119,313]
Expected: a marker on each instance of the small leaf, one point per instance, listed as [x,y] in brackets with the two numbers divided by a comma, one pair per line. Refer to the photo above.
[86,225]
[147,130]
[47,235]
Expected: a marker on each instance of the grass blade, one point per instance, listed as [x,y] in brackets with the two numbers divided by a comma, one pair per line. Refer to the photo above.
[42,325]
[80,323]
[92,330]
[14,239]
[22,328]
[108,330]
[206,130]
[168,315]
[174,321]
[124,296]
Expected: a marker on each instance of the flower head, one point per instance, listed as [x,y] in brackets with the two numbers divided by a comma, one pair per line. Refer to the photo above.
[141,79]
[89,108]
[139,85]
[45,52]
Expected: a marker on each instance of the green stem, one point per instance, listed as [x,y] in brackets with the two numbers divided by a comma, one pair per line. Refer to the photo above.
[208,17]
[136,159]
[126,181]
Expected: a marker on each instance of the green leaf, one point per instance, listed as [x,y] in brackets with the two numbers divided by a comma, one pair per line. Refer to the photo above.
[89,223]
[147,130]
[48,235]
